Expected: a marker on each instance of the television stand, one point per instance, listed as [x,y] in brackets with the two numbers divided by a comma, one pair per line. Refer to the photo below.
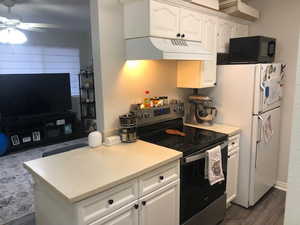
[32,131]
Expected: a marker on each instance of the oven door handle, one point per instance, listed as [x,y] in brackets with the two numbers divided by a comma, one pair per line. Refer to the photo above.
[195,158]
[201,155]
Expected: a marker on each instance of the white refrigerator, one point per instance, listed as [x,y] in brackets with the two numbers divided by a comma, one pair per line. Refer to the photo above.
[249,96]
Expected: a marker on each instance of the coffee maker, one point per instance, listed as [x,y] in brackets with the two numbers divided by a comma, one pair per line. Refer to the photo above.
[201,110]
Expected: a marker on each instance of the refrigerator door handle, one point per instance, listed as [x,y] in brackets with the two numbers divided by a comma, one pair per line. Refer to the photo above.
[260,118]
[260,121]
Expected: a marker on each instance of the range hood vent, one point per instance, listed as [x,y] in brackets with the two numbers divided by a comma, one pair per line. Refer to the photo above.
[151,48]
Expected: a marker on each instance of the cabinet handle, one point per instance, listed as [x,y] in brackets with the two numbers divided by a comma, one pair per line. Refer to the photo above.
[233,143]
[178,35]
[110,201]
[144,203]
[183,36]
[161,177]
[136,206]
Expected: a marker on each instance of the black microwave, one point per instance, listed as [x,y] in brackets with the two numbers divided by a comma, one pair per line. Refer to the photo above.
[256,49]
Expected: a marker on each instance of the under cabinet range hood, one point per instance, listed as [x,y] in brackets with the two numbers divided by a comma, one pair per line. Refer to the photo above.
[152,48]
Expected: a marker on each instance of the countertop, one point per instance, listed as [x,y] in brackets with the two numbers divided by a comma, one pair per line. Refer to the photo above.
[84,172]
[220,128]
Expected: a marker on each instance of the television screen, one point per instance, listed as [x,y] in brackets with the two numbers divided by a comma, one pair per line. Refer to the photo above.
[34,94]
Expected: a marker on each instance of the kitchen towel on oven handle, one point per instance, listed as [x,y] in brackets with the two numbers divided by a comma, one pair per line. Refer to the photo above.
[213,166]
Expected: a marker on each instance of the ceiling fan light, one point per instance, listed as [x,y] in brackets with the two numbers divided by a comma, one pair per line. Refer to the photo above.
[12,36]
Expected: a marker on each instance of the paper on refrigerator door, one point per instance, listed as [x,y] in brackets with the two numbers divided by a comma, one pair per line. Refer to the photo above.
[268,130]
[274,91]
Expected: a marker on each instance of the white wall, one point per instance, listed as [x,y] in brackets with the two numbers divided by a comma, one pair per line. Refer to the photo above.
[121,83]
[281,19]
[292,208]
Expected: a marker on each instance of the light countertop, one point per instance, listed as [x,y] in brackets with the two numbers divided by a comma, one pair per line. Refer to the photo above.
[220,128]
[84,172]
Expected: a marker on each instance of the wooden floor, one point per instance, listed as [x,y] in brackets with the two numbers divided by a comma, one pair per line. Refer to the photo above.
[269,211]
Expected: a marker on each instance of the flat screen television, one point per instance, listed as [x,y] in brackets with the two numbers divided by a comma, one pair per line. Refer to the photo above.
[34,94]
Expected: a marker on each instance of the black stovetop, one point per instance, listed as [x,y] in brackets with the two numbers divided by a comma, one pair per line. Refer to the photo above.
[194,141]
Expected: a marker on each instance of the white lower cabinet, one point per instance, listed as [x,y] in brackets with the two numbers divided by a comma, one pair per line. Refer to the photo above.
[232,168]
[150,199]
[161,207]
[232,179]
[125,216]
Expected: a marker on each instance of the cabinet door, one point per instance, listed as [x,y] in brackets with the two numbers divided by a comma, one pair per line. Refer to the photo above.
[161,207]
[164,20]
[232,175]
[210,74]
[240,30]
[128,215]
[210,34]
[225,30]
[191,25]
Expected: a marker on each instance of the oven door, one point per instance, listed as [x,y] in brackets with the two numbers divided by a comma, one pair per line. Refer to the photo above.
[196,192]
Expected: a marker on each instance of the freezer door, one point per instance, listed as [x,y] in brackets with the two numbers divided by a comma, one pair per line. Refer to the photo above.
[268,91]
[265,151]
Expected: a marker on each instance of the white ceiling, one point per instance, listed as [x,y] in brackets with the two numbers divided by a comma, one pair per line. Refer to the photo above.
[71,15]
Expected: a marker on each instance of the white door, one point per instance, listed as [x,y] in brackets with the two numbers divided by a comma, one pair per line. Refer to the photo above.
[164,20]
[191,25]
[161,207]
[127,215]
[269,84]
[232,175]
[225,30]
[264,153]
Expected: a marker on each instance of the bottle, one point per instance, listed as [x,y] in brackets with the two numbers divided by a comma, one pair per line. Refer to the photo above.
[147,100]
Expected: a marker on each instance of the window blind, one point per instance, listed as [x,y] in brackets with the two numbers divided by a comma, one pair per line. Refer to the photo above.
[21,59]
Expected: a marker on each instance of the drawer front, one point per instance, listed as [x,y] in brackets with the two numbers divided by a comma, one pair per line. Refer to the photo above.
[234,142]
[158,178]
[105,203]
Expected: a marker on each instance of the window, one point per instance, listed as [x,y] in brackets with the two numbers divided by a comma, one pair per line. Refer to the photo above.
[21,59]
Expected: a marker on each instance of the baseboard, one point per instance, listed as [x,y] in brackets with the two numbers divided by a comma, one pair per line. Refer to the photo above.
[281,186]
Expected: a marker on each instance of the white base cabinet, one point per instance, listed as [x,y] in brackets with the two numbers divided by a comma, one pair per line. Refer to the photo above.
[151,199]
[232,168]
[125,216]
[161,207]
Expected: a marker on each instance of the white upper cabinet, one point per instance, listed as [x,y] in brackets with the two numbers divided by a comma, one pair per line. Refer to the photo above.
[225,31]
[191,25]
[240,30]
[164,20]
[143,18]
[210,33]
[228,30]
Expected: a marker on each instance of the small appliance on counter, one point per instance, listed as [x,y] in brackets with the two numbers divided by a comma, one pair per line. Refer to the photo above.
[251,50]
[95,139]
[128,127]
[201,110]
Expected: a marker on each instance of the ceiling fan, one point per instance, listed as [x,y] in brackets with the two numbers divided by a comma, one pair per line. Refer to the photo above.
[10,21]
[10,26]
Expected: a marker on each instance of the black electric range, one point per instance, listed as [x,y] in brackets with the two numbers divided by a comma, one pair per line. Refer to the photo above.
[200,203]
[195,139]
